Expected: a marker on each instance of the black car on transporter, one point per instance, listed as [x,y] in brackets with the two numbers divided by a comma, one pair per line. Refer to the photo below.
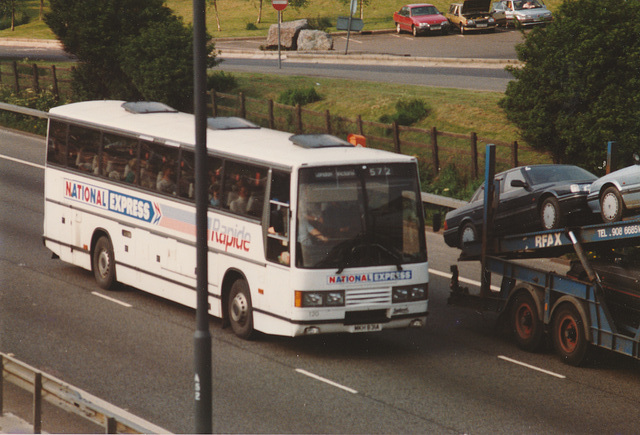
[532,198]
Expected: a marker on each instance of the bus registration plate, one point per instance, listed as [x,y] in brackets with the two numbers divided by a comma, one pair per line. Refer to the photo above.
[370,327]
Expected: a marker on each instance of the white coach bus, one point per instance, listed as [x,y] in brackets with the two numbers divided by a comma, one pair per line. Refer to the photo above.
[307,234]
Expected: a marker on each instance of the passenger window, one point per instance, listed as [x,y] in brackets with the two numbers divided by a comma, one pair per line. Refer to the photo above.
[120,158]
[243,188]
[57,145]
[509,177]
[158,165]
[214,171]
[187,176]
[83,149]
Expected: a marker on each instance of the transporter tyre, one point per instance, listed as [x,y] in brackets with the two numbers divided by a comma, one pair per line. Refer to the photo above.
[103,263]
[240,310]
[569,338]
[468,234]
[528,330]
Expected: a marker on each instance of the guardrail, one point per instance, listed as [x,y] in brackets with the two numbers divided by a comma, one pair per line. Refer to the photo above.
[69,398]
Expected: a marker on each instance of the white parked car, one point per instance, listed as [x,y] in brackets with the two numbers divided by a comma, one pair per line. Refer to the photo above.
[524,12]
[616,194]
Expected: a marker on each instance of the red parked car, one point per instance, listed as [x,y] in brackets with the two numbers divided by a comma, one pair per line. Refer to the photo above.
[419,19]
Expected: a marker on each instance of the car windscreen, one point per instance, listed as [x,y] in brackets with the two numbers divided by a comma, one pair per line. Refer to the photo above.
[424,10]
[557,174]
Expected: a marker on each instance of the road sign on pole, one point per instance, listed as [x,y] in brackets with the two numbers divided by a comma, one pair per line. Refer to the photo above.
[279,5]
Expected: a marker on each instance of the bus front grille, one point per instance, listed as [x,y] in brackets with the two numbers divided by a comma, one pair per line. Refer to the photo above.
[367,297]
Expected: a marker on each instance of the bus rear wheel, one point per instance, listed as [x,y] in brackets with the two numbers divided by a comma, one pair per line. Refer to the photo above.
[527,327]
[104,264]
[569,338]
[240,309]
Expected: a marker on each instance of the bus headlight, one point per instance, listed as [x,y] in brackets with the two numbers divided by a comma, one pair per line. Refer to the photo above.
[410,293]
[334,298]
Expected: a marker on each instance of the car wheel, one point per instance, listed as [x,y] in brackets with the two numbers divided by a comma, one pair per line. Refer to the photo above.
[527,327]
[550,217]
[569,338]
[461,29]
[240,309]
[468,234]
[414,30]
[398,29]
[611,205]
[103,263]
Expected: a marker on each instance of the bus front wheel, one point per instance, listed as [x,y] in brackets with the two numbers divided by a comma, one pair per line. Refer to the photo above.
[240,309]
[104,264]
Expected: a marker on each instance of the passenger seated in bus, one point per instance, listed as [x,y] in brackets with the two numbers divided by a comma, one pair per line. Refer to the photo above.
[130,171]
[239,205]
[166,183]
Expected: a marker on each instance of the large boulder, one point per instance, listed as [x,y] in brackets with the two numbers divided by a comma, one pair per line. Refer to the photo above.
[310,40]
[289,31]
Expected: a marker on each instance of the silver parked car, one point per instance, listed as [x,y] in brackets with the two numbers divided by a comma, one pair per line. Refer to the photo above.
[524,12]
[616,194]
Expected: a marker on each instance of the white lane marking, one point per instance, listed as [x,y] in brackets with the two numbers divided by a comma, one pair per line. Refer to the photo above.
[124,304]
[461,279]
[327,381]
[24,162]
[547,372]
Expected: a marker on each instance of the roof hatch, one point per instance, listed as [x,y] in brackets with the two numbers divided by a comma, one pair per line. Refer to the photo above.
[318,141]
[147,107]
[229,123]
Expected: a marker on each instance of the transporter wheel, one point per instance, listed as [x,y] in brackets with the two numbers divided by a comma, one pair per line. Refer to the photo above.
[240,309]
[569,338]
[550,217]
[527,327]
[104,263]
[611,205]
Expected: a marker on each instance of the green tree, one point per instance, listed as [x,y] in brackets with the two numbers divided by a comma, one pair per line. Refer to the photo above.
[118,41]
[579,86]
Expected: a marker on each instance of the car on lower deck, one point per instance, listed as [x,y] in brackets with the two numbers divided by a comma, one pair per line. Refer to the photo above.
[420,18]
[532,198]
[471,15]
[617,194]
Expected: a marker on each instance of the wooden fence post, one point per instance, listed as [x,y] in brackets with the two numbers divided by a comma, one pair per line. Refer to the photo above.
[360,126]
[54,76]
[1,63]
[214,103]
[474,154]
[16,78]
[298,114]
[1,385]
[514,154]
[434,149]
[272,121]
[243,111]
[327,121]
[396,136]
[36,79]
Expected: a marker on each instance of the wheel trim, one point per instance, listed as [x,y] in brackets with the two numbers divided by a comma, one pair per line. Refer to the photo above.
[568,334]
[610,206]
[239,309]
[104,263]
[524,321]
[549,216]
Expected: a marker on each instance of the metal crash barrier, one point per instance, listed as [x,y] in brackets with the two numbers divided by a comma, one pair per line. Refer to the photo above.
[68,398]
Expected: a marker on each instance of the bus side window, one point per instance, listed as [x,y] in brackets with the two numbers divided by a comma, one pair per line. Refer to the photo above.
[243,188]
[214,172]
[120,157]
[278,224]
[57,146]
[186,179]
[83,149]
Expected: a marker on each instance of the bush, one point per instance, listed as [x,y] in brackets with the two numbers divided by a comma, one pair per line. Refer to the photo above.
[43,101]
[221,82]
[408,112]
[320,23]
[251,26]
[291,97]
